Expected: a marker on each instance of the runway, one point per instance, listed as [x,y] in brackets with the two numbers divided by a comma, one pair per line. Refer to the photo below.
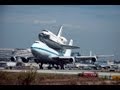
[68,72]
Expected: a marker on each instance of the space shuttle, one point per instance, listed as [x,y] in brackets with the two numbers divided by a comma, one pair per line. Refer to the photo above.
[56,42]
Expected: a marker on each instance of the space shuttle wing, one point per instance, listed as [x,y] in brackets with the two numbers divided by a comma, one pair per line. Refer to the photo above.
[69,47]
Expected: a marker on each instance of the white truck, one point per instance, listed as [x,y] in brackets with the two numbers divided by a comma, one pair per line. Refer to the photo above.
[7,65]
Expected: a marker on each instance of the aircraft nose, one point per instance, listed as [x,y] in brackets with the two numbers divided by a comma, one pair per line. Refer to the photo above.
[34,52]
[44,32]
[42,35]
[32,49]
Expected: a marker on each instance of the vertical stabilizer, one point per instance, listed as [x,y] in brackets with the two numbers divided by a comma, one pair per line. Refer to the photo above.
[68,51]
[60,31]
[90,53]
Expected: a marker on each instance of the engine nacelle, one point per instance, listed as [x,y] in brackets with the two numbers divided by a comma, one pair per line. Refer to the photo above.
[72,60]
[13,59]
[36,60]
[94,59]
[25,59]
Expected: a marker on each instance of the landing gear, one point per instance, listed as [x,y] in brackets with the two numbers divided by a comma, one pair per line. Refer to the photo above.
[62,66]
[52,65]
[49,67]
[57,67]
[41,66]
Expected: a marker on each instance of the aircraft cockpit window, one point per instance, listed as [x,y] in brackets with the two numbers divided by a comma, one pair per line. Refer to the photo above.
[36,42]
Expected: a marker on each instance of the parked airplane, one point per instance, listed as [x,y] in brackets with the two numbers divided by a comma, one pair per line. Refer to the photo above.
[91,58]
[56,42]
[46,55]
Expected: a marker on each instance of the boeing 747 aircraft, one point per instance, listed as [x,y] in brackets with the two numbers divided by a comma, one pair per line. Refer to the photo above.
[45,54]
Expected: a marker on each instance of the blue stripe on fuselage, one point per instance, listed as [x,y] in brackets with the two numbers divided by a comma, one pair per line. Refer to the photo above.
[45,50]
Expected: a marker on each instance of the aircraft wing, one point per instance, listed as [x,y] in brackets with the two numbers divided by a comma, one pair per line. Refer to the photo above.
[100,56]
[69,47]
[93,58]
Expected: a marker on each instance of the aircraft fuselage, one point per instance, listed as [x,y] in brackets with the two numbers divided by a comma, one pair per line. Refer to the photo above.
[44,53]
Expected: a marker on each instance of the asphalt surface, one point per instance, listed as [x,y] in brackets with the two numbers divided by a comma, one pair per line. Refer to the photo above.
[70,72]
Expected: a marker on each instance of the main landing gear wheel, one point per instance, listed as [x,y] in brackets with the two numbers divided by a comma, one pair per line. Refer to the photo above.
[62,66]
[50,66]
[57,67]
[41,66]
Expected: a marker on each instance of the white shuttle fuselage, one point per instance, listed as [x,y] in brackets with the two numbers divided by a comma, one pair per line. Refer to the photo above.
[56,38]
[52,40]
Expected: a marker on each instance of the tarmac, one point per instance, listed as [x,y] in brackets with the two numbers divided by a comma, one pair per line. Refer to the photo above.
[69,72]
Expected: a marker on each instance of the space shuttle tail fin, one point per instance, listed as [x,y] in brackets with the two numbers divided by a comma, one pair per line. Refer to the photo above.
[60,31]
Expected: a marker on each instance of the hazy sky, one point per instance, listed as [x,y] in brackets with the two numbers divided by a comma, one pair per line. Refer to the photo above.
[92,27]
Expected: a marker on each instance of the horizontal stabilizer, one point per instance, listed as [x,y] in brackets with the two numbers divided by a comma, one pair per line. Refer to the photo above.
[99,56]
[69,47]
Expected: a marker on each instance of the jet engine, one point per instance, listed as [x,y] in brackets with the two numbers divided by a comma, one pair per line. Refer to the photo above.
[71,60]
[68,60]
[36,60]
[94,59]
[13,59]
[25,59]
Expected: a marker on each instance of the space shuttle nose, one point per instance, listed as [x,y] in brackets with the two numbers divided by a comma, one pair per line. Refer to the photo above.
[42,36]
